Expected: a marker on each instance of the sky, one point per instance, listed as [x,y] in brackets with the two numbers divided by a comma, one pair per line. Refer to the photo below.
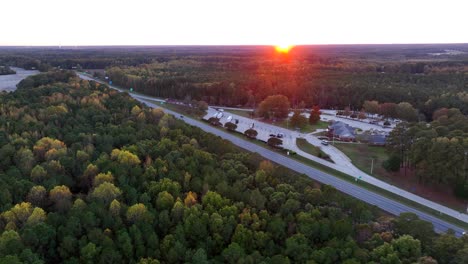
[231,22]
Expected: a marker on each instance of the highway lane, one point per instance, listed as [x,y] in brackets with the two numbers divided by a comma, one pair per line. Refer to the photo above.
[358,192]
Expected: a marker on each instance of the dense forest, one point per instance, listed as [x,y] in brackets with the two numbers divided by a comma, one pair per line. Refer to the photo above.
[331,84]
[89,175]
[437,151]
[426,76]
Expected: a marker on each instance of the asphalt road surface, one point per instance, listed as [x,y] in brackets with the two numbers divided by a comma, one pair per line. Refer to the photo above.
[356,191]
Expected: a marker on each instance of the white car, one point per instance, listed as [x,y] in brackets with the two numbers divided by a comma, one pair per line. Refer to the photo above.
[324,142]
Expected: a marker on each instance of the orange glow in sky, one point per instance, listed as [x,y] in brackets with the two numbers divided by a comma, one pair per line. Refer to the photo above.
[283,48]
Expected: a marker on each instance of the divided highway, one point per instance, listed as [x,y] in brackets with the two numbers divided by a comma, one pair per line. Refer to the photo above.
[356,191]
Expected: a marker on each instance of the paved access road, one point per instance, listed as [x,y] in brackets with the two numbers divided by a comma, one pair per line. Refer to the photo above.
[356,191]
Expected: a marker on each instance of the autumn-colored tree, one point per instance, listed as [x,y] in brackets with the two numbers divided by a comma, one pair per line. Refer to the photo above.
[362,114]
[267,167]
[37,216]
[38,174]
[275,142]
[19,214]
[125,157]
[298,120]
[87,178]
[347,111]
[440,113]
[388,109]
[230,126]
[103,177]
[79,205]
[371,107]
[156,114]
[44,145]
[37,196]
[115,207]
[61,197]
[274,106]
[136,110]
[106,192]
[214,121]
[314,116]
[406,112]
[251,133]
[137,212]
[190,199]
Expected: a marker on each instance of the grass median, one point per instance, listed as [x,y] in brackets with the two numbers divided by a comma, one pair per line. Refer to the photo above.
[305,146]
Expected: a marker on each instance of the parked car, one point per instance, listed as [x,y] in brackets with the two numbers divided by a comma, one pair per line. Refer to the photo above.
[272,135]
[280,135]
[324,142]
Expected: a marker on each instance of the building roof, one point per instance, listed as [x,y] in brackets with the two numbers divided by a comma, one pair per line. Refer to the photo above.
[342,129]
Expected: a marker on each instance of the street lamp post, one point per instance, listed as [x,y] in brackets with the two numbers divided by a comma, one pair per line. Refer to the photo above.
[372,166]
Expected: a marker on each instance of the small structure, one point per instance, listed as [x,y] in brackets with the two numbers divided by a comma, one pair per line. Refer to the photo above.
[341,131]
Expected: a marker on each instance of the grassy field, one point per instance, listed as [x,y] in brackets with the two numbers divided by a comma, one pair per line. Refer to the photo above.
[305,146]
[361,156]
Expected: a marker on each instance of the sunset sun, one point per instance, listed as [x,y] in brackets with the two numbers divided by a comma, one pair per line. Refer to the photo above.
[283,48]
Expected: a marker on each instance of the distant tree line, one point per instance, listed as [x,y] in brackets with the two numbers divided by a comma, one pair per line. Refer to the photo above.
[314,84]
[333,77]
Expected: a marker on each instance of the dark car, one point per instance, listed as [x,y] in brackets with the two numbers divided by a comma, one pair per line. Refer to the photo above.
[272,135]
[181,116]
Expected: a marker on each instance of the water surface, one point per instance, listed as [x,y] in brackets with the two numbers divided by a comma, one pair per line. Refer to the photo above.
[8,82]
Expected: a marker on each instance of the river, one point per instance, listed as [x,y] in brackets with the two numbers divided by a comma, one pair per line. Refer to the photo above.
[8,82]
